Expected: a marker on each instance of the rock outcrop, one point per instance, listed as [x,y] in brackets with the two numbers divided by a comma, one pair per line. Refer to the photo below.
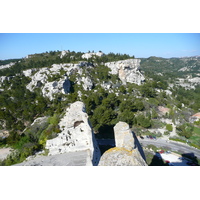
[63,53]
[128,151]
[40,79]
[76,134]
[55,87]
[89,55]
[127,70]
[43,77]
[7,66]
[86,83]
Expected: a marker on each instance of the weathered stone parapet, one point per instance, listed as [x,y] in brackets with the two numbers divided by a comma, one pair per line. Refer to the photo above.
[127,152]
[119,156]
[123,136]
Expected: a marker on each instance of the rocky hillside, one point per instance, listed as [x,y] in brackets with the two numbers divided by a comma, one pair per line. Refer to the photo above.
[153,96]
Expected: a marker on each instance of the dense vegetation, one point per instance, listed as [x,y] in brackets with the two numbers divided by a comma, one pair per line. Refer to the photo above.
[136,105]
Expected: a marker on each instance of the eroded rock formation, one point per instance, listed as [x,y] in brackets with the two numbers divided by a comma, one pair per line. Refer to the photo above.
[51,82]
[127,70]
[89,55]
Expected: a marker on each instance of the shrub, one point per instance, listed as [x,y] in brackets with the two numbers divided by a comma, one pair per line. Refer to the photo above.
[169,127]
[185,130]
[54,119]
[166,133]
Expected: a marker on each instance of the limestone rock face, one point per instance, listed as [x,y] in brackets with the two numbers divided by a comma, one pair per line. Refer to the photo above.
[63,53]
[89,55]
[6,66]
[127,70]
[128,151]
[2,79]
[76,134]
[86,82]
[40,79]
[28,72]
[51,88]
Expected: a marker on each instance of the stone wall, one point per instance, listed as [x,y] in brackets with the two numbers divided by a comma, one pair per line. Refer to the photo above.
[76,134]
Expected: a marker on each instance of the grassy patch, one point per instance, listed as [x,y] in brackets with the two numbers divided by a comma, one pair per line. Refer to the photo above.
[197,131]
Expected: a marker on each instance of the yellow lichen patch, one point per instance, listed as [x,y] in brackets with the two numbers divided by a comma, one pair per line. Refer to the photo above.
[119,149]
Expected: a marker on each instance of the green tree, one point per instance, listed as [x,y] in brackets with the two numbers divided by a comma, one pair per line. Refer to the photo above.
[185,130]
[127,116]
[148,91]
[154,114]
[143,121]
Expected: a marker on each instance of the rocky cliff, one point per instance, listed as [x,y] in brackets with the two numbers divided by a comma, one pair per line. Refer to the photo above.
[127,70]
[76,134]
[127,152]
[43,79]
[89,55]
[7,66]
[51,82]
[56,79]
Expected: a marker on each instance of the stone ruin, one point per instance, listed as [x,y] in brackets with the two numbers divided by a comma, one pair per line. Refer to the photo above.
[128,151]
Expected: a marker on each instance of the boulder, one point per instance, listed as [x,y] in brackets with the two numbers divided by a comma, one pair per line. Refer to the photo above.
[76,134]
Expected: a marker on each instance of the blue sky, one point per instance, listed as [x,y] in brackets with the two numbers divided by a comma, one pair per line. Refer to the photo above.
[18,45]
